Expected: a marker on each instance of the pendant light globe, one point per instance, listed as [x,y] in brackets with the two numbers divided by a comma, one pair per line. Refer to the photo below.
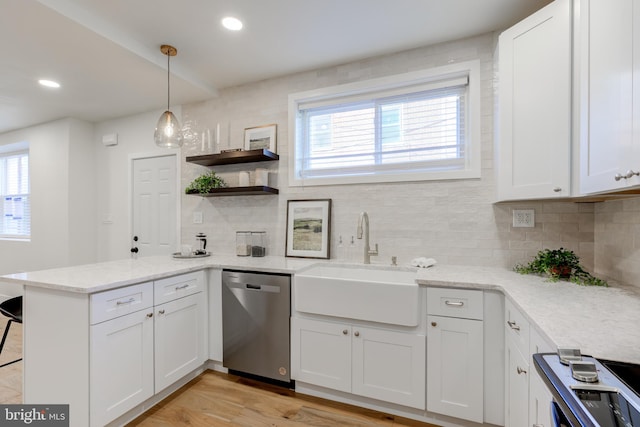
[168,133]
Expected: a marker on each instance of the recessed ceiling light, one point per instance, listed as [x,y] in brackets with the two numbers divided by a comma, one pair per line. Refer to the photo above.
[49,83]
[231,23]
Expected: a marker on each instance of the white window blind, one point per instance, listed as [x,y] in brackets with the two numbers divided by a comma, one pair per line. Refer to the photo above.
[15,207]
[380,131]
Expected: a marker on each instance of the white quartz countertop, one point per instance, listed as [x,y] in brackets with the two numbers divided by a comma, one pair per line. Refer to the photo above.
[91,278]
[601,322]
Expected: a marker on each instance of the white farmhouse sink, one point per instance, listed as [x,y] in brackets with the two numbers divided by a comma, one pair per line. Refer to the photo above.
[386,295]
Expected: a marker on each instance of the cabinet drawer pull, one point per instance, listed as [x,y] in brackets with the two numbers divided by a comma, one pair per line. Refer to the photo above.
[618,177]
[345,332]
[434,324]
[557,189]
[519,370]
[182,287]
[161,312]
[356,333]
[129,301]
[149,314]
[454,303]
[513,325]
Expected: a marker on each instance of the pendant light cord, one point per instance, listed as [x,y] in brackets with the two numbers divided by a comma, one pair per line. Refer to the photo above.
[168,81]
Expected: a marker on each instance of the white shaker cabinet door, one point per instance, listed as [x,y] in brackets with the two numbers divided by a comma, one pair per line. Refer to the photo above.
[517,387]
[455,367]
[180,338]
[121,365]
[534,106]
[321,353]
[389,366]
[608,146]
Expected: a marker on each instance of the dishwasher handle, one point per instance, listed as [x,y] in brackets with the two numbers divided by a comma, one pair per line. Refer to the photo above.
[250,287]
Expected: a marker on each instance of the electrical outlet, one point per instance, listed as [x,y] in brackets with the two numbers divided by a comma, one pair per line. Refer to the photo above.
[524,218]
[197,217]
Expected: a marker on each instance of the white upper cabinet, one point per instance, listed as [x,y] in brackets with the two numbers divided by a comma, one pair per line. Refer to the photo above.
[534,133]
[610,95]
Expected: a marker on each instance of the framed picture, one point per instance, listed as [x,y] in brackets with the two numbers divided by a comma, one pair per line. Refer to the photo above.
[308,228]
[260,137]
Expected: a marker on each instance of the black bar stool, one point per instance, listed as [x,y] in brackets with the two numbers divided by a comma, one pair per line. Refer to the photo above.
[12,308]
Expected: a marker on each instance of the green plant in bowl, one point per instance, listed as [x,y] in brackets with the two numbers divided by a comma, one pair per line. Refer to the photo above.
[559,264]
[205,183]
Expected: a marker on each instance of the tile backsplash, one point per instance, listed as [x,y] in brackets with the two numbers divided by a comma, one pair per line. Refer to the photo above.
[455,222]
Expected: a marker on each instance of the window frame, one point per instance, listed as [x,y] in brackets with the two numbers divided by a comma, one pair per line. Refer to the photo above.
[9,150]
[373,89]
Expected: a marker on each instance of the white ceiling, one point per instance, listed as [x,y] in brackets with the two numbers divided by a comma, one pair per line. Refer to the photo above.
[106,53]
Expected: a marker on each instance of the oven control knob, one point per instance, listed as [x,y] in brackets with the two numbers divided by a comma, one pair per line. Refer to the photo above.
[584,371]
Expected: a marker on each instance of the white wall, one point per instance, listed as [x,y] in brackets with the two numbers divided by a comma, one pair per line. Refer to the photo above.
[62,206]
[135,138]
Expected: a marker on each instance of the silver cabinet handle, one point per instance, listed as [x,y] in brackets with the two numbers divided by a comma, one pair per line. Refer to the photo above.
[434,324]
[161,311]
[345,331]
[454,303]
[149,314]
[182,287]
[519,370]
[356,333]
[537,425]
[630,174]
[618,177]
[513,325]
[129,301]
[557,189]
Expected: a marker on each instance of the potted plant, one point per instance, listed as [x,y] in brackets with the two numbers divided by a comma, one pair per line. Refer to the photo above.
[205,183]
[559,264]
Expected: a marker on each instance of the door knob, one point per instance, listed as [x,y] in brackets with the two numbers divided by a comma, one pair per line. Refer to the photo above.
[134,250]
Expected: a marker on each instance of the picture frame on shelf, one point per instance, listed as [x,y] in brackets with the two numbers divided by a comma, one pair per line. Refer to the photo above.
[259,137]
[308,228]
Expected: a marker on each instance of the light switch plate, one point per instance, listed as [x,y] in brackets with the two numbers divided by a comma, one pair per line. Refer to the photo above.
[524,218]
[197,217]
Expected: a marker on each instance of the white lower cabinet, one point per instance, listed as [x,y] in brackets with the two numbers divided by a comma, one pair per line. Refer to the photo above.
[455,367]
[180,339]
[134,355]
[516,387]
[121,365]
[377,363]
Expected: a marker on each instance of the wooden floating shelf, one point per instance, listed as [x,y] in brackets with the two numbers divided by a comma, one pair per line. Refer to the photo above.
[233,157]
[239,191]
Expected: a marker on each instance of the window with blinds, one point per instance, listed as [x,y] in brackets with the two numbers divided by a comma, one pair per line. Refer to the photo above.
[15,207]
[414,131]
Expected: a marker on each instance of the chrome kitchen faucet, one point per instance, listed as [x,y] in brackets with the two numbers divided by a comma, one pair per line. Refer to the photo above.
[363,229]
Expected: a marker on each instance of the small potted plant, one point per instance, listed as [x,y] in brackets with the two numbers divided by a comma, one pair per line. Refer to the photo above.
[205,183]
[559,264]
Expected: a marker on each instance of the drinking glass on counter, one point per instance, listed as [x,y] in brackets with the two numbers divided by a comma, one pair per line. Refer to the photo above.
[243,243]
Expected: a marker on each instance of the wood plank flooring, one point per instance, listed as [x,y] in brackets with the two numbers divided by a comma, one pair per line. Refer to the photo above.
[11,375]
[214,399]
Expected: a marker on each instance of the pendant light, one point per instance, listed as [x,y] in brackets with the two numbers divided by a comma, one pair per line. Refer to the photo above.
[168,132]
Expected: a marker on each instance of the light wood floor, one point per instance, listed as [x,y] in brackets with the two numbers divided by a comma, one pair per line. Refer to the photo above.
[214,399]
[11,376]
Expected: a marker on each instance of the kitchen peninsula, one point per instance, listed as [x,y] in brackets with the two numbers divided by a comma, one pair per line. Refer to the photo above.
[58,316]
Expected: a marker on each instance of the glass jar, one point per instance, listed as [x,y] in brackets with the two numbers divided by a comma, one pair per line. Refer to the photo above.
[258,243]
[243,243]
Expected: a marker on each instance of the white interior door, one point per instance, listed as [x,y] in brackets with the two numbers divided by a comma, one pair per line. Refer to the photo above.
[155,206]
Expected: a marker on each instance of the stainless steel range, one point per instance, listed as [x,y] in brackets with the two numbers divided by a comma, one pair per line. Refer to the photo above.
[588,392]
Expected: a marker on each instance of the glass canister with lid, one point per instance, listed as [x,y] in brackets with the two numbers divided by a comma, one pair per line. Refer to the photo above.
[243,243]
[258,243]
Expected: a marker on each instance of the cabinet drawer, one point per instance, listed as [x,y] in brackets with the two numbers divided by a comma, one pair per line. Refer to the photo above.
[118,302]
[461,303]
[517,327]
[178,286]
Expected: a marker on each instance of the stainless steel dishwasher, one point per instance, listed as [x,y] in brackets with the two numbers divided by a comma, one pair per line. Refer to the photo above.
[255,323]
